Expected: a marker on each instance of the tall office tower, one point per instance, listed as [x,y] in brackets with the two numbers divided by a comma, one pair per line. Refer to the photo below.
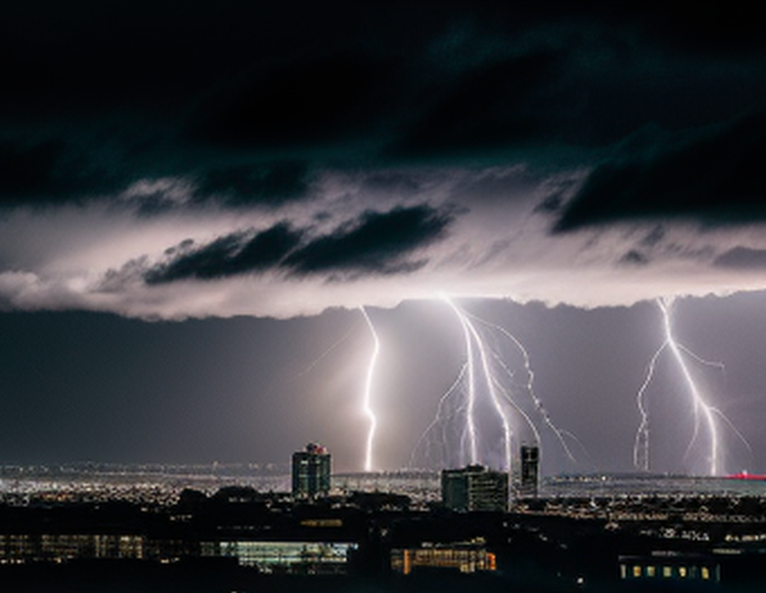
[530,470]
[311,471]
[475,488]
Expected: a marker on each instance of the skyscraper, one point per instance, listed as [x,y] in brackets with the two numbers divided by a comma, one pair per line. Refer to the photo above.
[530,470]
[311,471]
[475,488]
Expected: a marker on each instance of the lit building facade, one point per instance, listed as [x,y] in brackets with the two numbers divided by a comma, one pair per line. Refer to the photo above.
[291,557]
[466,557]
[63,547]
[311,471]
[474,488]
[670,567]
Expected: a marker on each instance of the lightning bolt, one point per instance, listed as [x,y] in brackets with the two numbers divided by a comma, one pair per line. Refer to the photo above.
[491,387]
[530,389]
[471,404]
[497,393]
[439,418]
[368,392]
[641,444]
[324,354]
[698,399]
[705,415]
[484,364]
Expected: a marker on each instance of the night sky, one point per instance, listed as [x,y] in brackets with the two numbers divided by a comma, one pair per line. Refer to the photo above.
[196,200]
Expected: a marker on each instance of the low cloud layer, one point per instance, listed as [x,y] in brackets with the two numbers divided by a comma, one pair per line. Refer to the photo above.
[477,232]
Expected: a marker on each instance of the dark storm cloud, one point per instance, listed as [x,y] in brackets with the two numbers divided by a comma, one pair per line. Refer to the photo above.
[300,111]
[708,29]
[494,105]
[397,182]
[374,244]
[27,170]
[87,56]
[261,183]
[635,258]
[230,255]
[46,173]
[307,101]
[241,185]
[742,258]
[52,172]
[714,176]
[653,237]
[96,98]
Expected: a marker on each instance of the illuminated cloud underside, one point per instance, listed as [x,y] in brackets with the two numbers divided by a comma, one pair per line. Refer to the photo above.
[453,234]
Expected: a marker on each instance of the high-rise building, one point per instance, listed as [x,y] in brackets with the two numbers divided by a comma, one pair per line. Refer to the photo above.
[530,470]
[311,471]
[475,488]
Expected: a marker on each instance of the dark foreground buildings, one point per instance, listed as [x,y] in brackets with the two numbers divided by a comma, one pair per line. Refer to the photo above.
[240,539]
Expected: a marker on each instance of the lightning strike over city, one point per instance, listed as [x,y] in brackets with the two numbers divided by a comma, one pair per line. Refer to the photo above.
[367,398]
[470,404]
[641,445]
[494,399]
[491,384]
[706,417]
[445,414]
[221,251]
[530,390]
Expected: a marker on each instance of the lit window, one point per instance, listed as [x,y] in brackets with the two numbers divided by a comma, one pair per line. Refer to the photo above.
[705,573]
[636,571]
[651,571]
[667,571]
[682,572]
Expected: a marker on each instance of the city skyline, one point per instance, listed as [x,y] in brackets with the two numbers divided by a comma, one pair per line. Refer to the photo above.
[195,204]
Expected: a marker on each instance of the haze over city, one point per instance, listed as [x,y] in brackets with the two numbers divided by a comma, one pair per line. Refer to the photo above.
[195,202]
